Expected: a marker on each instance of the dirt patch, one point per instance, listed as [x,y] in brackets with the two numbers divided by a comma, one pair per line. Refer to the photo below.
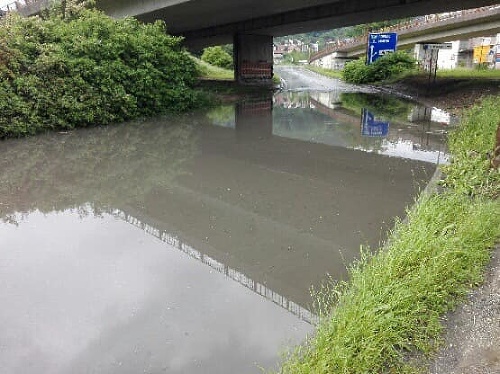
[472,339]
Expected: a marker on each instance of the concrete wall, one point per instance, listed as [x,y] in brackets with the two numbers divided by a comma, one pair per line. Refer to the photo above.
[334,61]
[253,57]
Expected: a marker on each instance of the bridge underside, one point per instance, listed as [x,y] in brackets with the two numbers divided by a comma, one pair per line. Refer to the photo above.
[213,22]
[251,24]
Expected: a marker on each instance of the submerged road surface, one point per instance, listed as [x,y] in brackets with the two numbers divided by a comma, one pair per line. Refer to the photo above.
[297,78]
[189,244]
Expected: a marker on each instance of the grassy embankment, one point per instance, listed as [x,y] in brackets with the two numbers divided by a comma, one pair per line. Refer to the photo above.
[212,72]
[469,73]
[389,310]
[325,72]
[459,74]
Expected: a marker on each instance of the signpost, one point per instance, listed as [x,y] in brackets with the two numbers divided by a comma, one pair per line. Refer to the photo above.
[379,44]
[432,53]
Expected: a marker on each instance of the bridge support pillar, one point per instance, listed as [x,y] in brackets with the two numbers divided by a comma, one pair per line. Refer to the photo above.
[253,59]
[254,118]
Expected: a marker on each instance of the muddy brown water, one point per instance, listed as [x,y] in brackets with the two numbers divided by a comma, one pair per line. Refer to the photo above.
[189,244]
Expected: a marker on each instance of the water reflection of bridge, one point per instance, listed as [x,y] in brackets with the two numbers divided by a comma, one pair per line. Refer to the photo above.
[275,213]
[278,210]
[260,289]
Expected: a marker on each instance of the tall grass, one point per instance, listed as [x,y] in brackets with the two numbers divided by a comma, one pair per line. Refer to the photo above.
[469,172]
[207,71]
[389,310]
[469,73]
[330,73]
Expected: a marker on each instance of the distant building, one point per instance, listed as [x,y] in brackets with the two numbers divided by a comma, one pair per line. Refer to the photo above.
[462,54]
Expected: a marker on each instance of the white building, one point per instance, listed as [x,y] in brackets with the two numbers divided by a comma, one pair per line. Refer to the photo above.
[459,55]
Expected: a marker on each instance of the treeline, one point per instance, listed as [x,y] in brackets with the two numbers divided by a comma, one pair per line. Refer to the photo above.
[74,67]
[323,37]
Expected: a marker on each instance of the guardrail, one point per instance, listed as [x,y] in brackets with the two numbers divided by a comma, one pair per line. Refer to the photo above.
[417,24]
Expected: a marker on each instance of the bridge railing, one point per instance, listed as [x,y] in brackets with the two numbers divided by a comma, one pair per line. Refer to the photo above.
[408,27]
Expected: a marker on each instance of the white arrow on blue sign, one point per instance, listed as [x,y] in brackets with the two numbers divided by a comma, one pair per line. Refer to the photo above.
[379,44]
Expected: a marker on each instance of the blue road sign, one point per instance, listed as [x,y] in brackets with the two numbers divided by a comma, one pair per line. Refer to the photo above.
[379,44]
[372,128]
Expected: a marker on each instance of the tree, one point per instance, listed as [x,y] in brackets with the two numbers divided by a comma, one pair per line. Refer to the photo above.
[217,56]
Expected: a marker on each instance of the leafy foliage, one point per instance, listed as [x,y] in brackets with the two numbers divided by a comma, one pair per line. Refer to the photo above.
[387,66]
[389,107]
[217,56]
[88,69]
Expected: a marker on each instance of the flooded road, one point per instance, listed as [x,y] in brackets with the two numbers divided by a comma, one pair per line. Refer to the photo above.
[190,244]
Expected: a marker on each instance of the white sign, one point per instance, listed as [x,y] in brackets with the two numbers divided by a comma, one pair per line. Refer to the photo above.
[485,41]
[438,46]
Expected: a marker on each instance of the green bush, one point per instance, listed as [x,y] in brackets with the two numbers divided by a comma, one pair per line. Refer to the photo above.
[217,56]
[356,72]
[386,67]
[88,69]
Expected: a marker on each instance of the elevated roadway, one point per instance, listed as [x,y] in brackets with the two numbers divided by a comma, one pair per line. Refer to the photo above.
[463,24]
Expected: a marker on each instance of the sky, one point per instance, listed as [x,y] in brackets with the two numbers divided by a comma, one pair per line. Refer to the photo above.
[4,2]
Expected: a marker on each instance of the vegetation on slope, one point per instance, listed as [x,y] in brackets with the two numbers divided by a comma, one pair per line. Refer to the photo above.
[79,67]
[389,311]
[323,37]
[387,66]
[217,56]
[325,72]
[209,71]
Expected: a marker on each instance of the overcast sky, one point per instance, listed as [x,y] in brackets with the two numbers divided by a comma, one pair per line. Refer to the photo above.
[3,2]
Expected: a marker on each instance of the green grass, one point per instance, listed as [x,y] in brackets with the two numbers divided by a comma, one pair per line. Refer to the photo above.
[208,71]
[459,73]
[469,73]
[470,144]
[325,72]
[389,310]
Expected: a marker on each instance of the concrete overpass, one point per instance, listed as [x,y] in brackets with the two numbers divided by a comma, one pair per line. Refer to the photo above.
[252,24]
[463,24]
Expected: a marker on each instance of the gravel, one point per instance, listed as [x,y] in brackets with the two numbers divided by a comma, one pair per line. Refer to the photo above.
[472,339]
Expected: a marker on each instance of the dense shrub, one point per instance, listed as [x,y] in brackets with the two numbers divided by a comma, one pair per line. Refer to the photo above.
[217,56]
[387,66]
[88,69]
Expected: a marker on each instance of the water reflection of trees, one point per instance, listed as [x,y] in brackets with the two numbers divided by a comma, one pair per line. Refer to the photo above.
[386,107]
[102,166]
[223,115]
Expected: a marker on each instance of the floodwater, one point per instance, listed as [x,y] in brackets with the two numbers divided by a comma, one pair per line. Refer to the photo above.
[190,244]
